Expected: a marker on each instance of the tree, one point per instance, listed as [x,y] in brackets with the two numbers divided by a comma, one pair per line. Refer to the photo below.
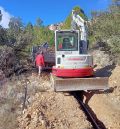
[80,12]
[15,24]
[68,20]
[39,22]
[105,28]
[94,14]
[115,7]
[29,26]
[15,28]
[41,35]
[3,36]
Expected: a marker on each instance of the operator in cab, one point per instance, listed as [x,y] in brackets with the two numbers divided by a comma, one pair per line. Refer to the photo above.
[39,61]
[67,44]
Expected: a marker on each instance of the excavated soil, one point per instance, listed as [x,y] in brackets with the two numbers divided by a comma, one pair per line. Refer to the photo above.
[52,110]
[114,82]
[43,109]
[106,105]
[105,111]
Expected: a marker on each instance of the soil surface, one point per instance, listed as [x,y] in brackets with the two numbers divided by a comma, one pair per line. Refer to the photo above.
[52,110]
[106,105]
[105,111]
[45,109]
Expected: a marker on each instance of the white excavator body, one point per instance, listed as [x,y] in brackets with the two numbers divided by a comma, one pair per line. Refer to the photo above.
[73,69]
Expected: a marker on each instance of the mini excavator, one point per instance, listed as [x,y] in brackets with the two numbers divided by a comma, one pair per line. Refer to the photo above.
[74,69]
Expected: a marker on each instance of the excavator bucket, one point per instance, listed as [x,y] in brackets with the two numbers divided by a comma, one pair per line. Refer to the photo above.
[77,84]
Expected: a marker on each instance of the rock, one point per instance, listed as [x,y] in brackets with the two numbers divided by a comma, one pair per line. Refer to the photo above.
[101,58]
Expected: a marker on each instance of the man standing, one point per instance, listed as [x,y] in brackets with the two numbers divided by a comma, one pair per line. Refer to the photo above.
[39,61]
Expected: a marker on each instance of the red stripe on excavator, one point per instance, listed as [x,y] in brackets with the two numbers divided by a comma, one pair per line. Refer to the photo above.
[81,72]
[77,59]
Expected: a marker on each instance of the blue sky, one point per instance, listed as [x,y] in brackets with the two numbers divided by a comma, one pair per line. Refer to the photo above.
[50,11]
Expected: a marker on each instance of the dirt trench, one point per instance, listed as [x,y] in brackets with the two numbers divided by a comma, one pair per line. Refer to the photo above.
[106,105]
[52,110]
[45,109]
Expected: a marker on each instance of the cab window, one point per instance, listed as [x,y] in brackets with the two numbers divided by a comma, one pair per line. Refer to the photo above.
[67,41]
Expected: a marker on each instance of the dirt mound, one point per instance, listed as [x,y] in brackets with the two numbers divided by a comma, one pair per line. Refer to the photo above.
[52,110]
[106,105]
[101,58]
[114,81]
[106,111]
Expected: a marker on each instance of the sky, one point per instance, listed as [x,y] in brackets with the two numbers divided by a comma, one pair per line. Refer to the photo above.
[50,11]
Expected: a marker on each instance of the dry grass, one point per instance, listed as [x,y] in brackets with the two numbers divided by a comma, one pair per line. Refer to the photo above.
[12,96]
